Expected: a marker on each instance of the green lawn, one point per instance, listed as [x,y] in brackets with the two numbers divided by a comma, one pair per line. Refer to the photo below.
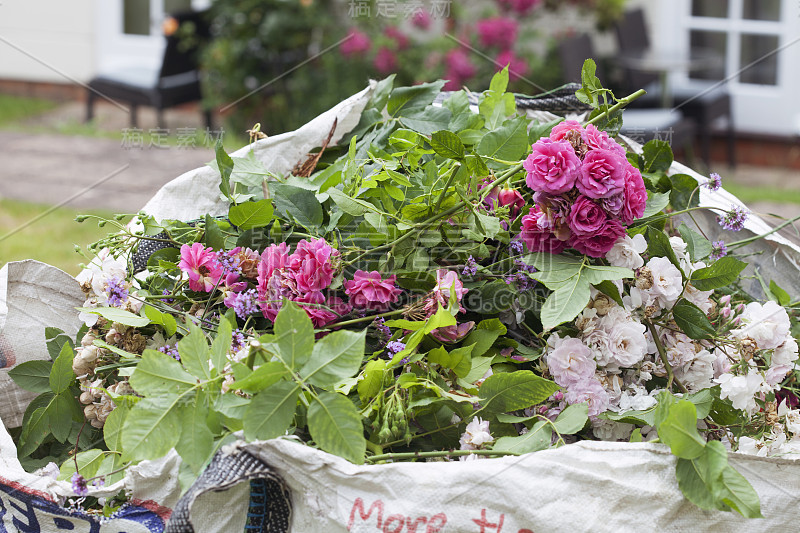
[16,108]
[31,231]
[760,193]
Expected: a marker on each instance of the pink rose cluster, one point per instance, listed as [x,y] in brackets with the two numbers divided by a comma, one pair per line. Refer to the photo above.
[585,192]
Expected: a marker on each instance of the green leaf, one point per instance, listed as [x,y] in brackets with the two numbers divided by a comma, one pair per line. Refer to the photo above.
[658,245]
[657,156]
[679,431]
[55,341]
[570,280]
[458,360]
[61,374]
[703,400]
[62,411]
[165,320]
[33,376]
[428,120]
[158,374]
[692,320]
[294,203]
[781,295]
[335,425]
[336,356]
[739,494]
[221,344]
[656,202]
[610,290]
[152,428]
[494,297]
[262,377]
[508,142]
[112,430]
[351,206]
[405,139]
[537,438]
[115,314]
[572,419]
[372,380]
[442,318]
[697,246]
[447,144]
[197,442]
[722,272]
[249,215]
[499,82]
[225,167]
[294,334]
[35,424]
[195,354]
[88,463]
[248,171]
[271,411]
[542,129]
[683,194]
[510,391]
[483,336]
[692,485]
[407,100]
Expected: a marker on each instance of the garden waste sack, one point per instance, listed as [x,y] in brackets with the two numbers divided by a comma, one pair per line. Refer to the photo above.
[281,484]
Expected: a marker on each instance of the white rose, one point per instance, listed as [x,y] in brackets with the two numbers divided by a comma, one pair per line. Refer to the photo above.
[678,246]
[699,372]
[628,343]
[476,434]
[741,390]
[766,324]
[701,299]
[667,282]
[626,252]
[785,353]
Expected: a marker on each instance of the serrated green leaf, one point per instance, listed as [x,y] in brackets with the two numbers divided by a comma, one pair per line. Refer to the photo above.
[739,494]
[336,427]
[405,100]
[447,144]
[33,376]
[221,344]
[61,374]
[294,334]
[158,373]
[115,314]
[262,377]
[656,202]
[483,336]
[692,485]
[166,320]
[657,156]
[336,356]
[248,171]
[194,352]
[249,215]
[428,120]
[112,430]
[294,203]
[405,139]
[196,443]
[508,142]
[458,360]
[510,391]
[152,428]
[537,438]
[697,246]
[658,245]
[679,431]
[271,411]
[692,320]
[684,193]
[722,272]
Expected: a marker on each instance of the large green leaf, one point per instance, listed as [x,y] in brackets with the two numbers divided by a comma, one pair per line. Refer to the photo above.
[195,354]
[721,273]
[221,344]
[739,494]
[33,376]
[679,431]
[447,144]
[692,320]
[294,334]
[572,419]
[62,411]
[404,101]
[510,391]
[61,374]
[165,320]
[249,215]
[657,156]
[335,425]
[537,438]
[55,341]
[294,203]
[196,442]
[271,411]
[88,463]
[483,336]
[158,373]
[658,245]
[570,280]
[112,430]
[264,376]
[152,428]
[371,380]
[115,314]
[508,142]
[351,206]
[428,120]
[697,246]
[336,356]
[459,359]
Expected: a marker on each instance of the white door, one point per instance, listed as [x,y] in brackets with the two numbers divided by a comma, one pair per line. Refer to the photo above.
[760,41]
[129,34]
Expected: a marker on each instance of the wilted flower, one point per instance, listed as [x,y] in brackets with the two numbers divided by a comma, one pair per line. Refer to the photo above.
[367,290]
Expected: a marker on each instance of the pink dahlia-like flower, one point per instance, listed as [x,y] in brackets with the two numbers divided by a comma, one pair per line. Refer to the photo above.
[498,31]
[385,61]
[552,167]
[599,140]
[598,244]
[586,217]
[318,311]
[421,19]
[357,43]
[517,67]
[273,258]
[602,174]
[394,33]
[538,237]
[368,290]
[635,196]
[311,263]
[560,130]
[280,286]
[520,7]
[201,265]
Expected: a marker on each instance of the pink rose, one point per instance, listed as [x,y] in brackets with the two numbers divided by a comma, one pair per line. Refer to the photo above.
[202,266]
[588,391]
[459,64]
[602,174]
[552,167]
[635,196]
[273,258]
[598,244]
[537,237]
[318,311]
[599,140]
[357,43]
[613,204]
[311,262]
[385,61]
[512,199]
[517,67]
[586,217]
[421,19]
[498,31]
[393,32]
[368,291]
[570,361]
[280,286]
[560,130]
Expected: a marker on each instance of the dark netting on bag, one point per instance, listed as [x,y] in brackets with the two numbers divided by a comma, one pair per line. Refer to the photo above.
[559,101]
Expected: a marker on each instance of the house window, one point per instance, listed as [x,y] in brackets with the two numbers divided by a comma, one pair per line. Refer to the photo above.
[746,33]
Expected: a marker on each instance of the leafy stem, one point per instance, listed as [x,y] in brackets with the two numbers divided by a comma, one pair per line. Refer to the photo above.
[622,102]
[439,453]
[662,353]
